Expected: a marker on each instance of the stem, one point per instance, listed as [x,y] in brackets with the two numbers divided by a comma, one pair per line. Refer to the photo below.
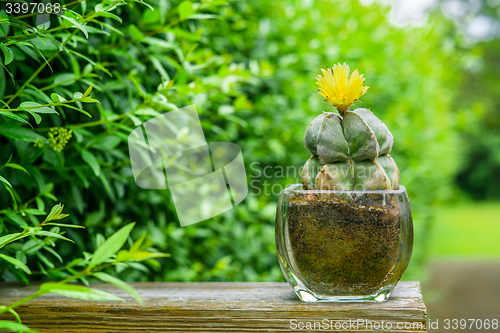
[40,106]
[83,273]
[71,264]
[148,34]
[30,200]
[88,17]
[42,66]
[97,122]
[80,167]
[49,86]
[153,32]
[21,302]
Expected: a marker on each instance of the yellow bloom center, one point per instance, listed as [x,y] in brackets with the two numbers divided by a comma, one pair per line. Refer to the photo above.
[59,137]
[341,88]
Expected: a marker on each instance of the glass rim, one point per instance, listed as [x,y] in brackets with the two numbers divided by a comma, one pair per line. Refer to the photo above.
[290,188]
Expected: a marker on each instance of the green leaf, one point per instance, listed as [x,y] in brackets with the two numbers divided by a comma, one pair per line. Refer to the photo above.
[78,292]
[112,245]
[108,143]
[120,284]
[17,219]
[57,98]
[89,100]
[77,25]
[77,109]
[109,26]
[8,54]
[54,253]
[20,133]
[28,49]
[90,61]
[137,244]
[36,107]
[50,196]
[3,76]
[16,263]
[38,118]
[160,68]
[111,15]
[40,203]
[11,192]
[203,16]
[53,234]
[5,181]
[87,92]
[16,327]
[39,53]
[4,240]
[11,115]
[124,255]
[3,85]
[185,9]
[102,68]
[64,79]
[145,4]
[136,33]
[75,65]
[33,211]
[16,166]
[54,212]
[15,314]
[91,160]
[38,93]
[44,259]
[92,30]
[107,187]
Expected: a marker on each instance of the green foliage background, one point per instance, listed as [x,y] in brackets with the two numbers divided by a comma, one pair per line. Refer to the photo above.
[249,67]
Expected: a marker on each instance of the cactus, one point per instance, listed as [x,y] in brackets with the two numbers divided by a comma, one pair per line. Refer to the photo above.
[350,150]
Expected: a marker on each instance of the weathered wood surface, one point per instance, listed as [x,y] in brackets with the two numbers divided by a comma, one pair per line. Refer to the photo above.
[214,307]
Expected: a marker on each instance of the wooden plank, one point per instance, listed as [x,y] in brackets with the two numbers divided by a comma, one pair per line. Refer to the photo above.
[215,307]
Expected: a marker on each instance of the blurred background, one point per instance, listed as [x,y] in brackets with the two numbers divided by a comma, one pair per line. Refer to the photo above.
[250,67]
[461,277]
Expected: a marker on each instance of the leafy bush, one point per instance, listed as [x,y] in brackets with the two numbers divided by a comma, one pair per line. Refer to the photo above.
[106,255]
[249,67]
[480,123]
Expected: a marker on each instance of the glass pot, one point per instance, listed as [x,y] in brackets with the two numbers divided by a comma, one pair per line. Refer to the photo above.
[343,245]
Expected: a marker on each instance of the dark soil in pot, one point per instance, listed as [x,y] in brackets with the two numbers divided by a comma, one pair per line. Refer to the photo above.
[343,246]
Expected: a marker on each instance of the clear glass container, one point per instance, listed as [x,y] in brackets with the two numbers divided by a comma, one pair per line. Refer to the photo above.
[343,245]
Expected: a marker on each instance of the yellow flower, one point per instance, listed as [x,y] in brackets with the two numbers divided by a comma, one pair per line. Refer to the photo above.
[341,88]
[59,137]
[39,143]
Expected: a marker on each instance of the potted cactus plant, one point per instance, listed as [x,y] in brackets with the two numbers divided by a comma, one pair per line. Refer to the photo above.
[345,233]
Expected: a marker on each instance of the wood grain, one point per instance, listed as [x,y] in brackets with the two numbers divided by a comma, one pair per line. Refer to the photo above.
[213,307]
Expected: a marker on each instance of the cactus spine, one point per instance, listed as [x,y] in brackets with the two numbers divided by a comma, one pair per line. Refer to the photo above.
[350,150]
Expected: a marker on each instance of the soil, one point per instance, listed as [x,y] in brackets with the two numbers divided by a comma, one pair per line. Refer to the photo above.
[343,246]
